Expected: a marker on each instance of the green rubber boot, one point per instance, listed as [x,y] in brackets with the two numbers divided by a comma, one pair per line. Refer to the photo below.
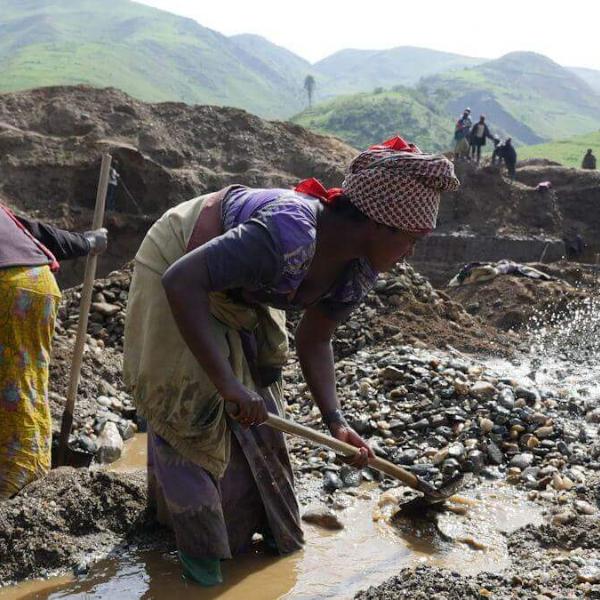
[205,571]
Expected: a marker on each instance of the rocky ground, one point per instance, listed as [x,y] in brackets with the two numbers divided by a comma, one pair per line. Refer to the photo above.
[558,560]
[422,402]
[403,308]
[68,519]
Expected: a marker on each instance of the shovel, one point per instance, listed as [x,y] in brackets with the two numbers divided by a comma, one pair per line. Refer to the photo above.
[65,455]
[431,495]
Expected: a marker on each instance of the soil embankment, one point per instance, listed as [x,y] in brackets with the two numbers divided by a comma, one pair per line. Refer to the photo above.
[51,140]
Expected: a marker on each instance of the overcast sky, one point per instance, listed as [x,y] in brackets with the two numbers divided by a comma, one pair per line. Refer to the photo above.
[567,32]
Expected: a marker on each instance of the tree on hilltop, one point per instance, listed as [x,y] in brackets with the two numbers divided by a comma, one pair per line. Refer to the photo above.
[309,86]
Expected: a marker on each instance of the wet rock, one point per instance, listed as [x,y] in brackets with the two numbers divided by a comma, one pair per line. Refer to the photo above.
[105,309]
[392,374]
[406,457]
[564,518]
[110,443]
[494,453]
[584,508]
[544,432]
[522,461]
[593,416]
[323,517]
[350,477]
[456,451]
[475,461]
[482,389]
[530,395]
[590,573]
[562,483]
[127,429]
[486,425]
[332,482]
[450,467]
[506,398]
[104,401]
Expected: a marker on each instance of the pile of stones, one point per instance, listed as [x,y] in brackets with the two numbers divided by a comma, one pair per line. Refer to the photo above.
[439,415]
[107,312]
[105,416]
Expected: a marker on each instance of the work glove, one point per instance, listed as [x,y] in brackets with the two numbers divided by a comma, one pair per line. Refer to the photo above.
[98,240]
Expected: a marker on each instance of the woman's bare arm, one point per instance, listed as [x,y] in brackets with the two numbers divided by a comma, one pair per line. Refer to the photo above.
[313,344]
[187,284]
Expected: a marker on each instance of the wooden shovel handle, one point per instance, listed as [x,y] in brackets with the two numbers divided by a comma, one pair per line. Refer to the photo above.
[342,448]
[84,310]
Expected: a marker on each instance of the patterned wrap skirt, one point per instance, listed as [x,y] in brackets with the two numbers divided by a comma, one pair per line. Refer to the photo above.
[29,298]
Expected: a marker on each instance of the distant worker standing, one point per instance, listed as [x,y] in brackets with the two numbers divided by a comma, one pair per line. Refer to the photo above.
[479,133]
[589,161]
[462,130]
[113,183]
[506,152]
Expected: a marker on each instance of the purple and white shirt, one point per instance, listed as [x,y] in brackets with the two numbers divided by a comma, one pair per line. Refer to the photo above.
[269,241]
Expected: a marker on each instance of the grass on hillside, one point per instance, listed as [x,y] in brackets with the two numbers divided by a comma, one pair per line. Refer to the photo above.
[546,103]
[366,119]
[567,152]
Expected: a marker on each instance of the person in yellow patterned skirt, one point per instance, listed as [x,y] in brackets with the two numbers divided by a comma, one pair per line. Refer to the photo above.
[29,298]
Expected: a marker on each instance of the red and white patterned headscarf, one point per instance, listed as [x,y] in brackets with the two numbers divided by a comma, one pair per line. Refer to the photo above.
[395,184]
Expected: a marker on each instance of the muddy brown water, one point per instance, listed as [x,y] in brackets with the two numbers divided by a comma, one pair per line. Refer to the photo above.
[370,548]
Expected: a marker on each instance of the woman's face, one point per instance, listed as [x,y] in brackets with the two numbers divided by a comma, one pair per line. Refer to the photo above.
[389,246]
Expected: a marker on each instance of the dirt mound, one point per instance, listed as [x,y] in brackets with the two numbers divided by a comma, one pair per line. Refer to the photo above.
[577,198]
[538,162]
[66,518]
[51,140]
[509,302]
[487,203]
[407,309]
[560,177]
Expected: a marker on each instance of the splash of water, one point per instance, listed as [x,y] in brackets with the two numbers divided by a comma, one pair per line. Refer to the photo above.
[573,334]
[565,347]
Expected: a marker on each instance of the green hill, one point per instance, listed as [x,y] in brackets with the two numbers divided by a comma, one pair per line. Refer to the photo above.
[349,71]
[150,54]
[590,76]
[568,152]
[365,119]
[523,94]
[289,66]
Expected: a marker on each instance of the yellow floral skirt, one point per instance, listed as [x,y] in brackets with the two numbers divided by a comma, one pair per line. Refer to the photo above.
[29,298]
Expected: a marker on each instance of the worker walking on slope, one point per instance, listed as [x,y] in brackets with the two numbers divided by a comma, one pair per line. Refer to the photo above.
[479,133]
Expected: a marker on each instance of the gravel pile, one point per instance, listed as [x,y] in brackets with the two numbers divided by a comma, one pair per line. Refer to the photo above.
[439,415]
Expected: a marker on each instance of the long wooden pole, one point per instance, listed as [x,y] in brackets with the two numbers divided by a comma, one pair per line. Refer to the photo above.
[84,310]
